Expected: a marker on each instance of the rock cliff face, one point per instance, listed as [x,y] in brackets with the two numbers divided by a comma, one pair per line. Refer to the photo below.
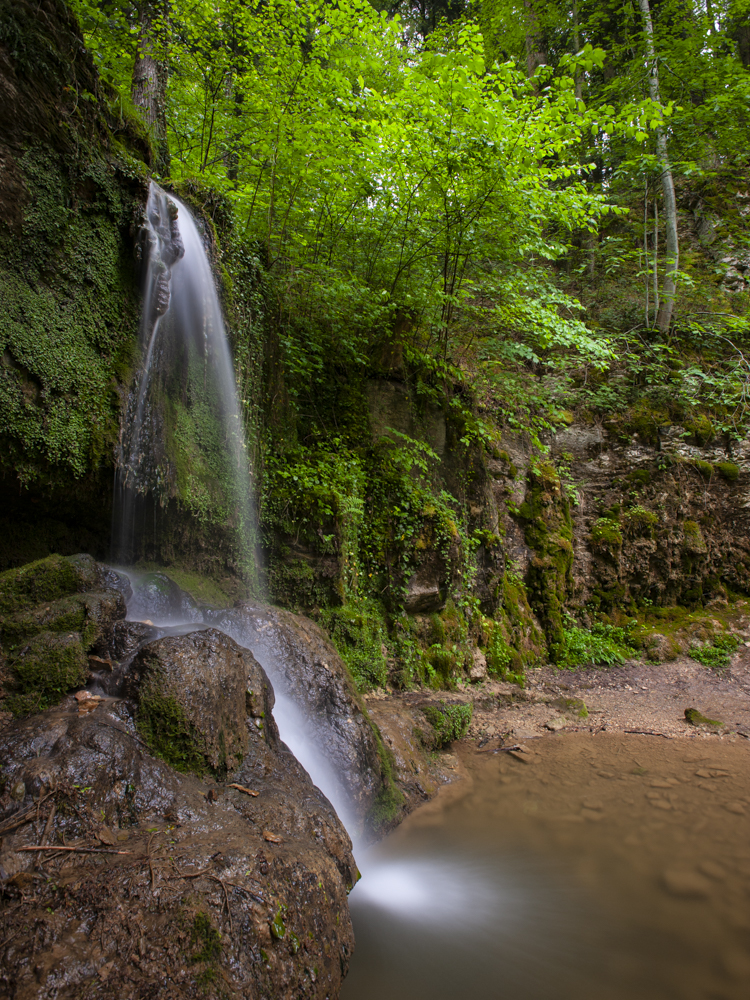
[72,185]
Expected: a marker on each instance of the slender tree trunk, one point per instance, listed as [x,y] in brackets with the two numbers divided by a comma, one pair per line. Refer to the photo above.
[535,55]
[150,75]
[664,315]
[577,49]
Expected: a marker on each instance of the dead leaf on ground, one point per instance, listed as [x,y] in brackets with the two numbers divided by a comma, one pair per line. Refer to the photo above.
[105,971]
[272,838]
[247,791]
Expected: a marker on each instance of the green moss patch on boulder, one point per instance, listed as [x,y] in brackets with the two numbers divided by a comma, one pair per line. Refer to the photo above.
[43,580]
[192,694]
[87,614]
[44,670]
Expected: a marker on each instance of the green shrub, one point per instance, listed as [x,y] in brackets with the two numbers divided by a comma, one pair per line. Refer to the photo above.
[602,645]
[449,722]
[716,655]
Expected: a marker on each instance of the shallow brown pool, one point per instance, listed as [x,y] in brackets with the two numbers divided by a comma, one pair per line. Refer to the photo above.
[608,865]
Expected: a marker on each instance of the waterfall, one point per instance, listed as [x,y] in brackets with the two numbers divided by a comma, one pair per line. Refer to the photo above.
[182,439]
[182,446]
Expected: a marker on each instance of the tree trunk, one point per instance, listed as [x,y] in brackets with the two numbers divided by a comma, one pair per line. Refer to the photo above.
[535,54]
[664,315]
[150,75]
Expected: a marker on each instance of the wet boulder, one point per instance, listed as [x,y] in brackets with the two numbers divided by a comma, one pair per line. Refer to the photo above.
[194,693]
[171,885]
[157,598]
[47,580]
[304,665]
[52,612]
[44,669]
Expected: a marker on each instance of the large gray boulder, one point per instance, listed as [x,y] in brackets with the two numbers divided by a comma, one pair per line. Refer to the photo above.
[223,888]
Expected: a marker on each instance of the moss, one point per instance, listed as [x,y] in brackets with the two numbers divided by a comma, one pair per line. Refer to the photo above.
[704,469]
[574,706]
[646,422]
[639,521]
[164,726]
[390,799]
[694,541]
[358,631]
[695,718]
[206,939]
[47,667]
[43,580]
[700,427]
[66,615]
[606,534]
[548,531]
[639,477]
[728,470]
[449,722]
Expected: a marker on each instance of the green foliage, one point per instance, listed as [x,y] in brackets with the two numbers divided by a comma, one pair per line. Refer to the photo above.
[449,722]
[359,632]
[602,645]
[717,654]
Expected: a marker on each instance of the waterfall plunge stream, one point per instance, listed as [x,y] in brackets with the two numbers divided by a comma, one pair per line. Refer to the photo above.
[186,384]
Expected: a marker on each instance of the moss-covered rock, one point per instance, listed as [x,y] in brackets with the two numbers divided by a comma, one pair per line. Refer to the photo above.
[728,470]
[43,580]
[694,542]
[192,694]
[545,514]
[44,670]
[88,614]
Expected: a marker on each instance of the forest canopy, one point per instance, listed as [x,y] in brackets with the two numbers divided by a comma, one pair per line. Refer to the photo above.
[452,171]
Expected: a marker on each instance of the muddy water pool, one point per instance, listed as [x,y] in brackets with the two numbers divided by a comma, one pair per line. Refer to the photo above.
[608,865]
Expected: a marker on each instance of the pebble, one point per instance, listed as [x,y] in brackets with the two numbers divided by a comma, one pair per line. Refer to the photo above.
[735,807]
[686,884]
[556,724]
[18,791]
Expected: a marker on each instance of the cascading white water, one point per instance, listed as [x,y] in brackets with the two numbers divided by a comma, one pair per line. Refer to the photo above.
[183,435]
[185,403]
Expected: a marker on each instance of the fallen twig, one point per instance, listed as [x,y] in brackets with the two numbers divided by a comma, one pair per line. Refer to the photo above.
[78,850]
[648,732]
[25,816]
[247,791]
